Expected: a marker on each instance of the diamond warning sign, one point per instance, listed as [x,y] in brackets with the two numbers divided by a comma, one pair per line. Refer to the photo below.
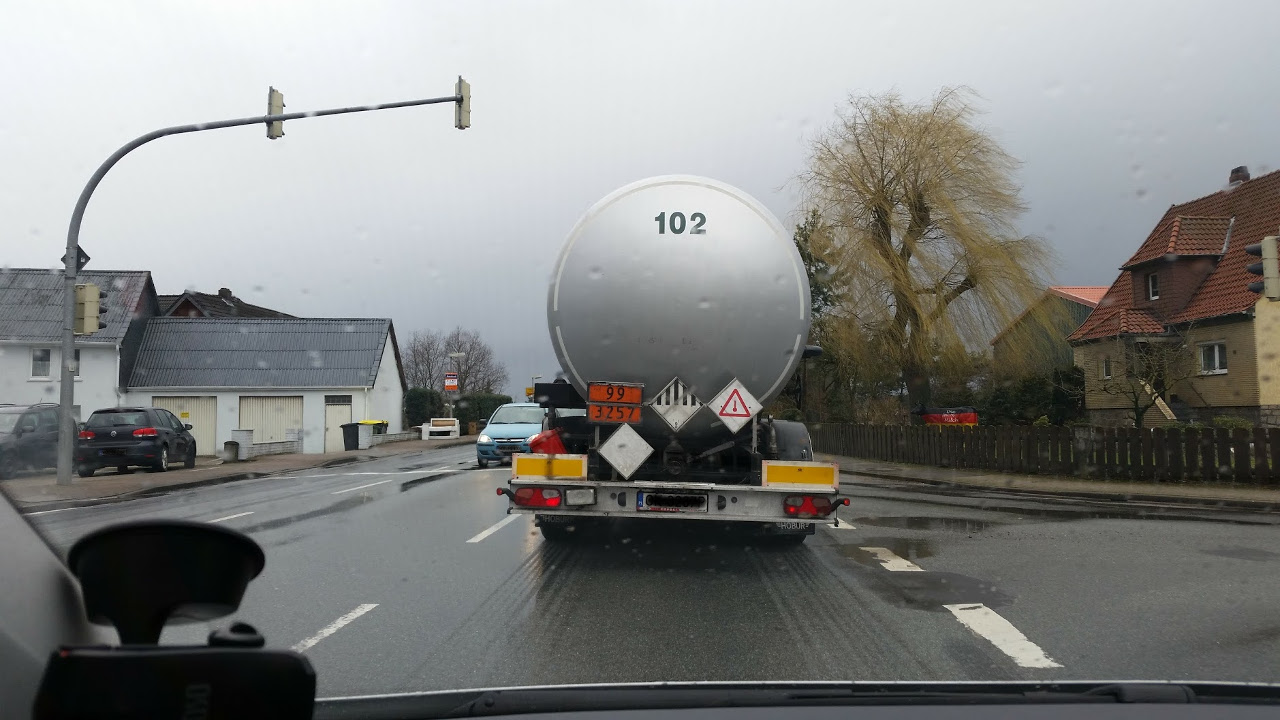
[676,404]
[735,406]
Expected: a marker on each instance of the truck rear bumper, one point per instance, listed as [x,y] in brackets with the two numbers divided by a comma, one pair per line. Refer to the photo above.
[797,505]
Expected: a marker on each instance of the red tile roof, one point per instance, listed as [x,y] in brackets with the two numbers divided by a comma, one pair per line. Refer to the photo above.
[1193,228]
[1183,235]
[1083,294]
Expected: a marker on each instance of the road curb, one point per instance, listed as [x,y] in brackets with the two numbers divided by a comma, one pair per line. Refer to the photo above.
[28,508]
[1214,503]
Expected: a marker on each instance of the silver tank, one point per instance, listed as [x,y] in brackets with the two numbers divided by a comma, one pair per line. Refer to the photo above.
[633,300]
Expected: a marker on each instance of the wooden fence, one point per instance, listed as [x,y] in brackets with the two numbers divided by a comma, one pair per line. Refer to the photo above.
[1151,454]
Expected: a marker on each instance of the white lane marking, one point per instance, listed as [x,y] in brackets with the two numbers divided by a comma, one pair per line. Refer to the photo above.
[334,627]
[842,526]
[46,512]
[232,517]
[985,622]
[495,528]
[890,561]
[382,482]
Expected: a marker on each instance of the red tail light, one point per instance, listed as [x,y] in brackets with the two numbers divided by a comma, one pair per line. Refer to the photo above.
[145,432]
[537,497]
[86,435]
[807,506]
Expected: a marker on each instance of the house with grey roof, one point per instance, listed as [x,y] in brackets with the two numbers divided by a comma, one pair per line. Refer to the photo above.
[270,375]
[31,336]
[224,304]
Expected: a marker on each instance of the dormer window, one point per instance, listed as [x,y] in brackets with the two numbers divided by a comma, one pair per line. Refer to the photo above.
[1153,286]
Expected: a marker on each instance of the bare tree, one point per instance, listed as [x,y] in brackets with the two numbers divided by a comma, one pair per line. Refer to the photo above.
[1143,369]
[425,360]
[917,207]
[478,369]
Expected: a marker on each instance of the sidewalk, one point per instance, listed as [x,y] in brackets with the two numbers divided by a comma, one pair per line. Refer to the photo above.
[42,492]
[1225,495]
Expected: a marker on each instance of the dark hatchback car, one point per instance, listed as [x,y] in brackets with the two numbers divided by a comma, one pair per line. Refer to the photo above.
[28,437]
[133,437]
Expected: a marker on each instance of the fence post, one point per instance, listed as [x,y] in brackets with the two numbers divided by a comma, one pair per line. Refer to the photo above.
[1261,472]
[1223,440]
[1173,452]
[1273,449]
[1081,442]
[1208,461]
[1191,443]
[1241,459]
[1146,440]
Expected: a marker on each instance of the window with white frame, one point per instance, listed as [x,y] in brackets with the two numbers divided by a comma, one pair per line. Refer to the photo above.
[1213,358]
[41,360]
[77,371]
[1106,368]
[1153,286]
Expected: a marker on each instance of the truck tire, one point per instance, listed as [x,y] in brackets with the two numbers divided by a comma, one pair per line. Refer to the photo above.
[559,532]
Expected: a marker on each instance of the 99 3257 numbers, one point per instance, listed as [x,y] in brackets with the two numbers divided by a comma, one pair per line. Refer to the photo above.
[613,413]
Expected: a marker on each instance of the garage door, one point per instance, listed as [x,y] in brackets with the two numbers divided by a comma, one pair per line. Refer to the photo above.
[269,417]
[201,413]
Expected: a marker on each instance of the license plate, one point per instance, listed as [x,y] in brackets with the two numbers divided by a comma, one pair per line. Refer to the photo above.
[671,502]
[792,526]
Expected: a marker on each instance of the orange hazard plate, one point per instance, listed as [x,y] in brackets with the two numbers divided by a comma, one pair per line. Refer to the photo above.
[613,413]
[616,393]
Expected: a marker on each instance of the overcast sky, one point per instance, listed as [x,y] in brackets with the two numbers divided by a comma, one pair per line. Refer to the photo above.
[1116,109]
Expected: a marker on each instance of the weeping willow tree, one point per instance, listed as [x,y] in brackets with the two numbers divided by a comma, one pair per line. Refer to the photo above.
[917,206]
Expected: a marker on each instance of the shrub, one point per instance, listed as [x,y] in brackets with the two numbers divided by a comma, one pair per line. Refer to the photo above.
[1232,422]
[1042,421]
[422,404]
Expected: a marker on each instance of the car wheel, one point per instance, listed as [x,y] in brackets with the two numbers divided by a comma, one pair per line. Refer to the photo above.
[86,471]
[482,463]
[190,461]
[162,462]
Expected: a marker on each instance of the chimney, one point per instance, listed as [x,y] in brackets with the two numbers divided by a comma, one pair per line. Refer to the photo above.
[225,293]
[1238,175]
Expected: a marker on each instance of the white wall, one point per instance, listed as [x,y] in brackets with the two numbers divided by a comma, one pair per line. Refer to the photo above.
[386,399]
[95,388]
[229,408]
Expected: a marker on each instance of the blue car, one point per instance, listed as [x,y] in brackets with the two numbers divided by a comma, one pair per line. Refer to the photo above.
[509,431]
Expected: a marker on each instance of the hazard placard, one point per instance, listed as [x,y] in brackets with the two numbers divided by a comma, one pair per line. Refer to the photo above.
[735,406]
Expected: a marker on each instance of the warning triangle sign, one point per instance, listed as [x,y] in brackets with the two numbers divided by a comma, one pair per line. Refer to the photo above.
[734,406]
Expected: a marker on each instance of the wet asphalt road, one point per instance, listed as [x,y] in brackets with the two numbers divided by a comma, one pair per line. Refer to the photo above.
[370,571]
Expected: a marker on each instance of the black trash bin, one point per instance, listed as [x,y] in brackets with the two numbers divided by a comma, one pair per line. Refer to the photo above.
[351,436]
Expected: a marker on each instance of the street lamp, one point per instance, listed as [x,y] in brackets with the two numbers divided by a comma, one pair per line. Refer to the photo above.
[533,381]
[73,260]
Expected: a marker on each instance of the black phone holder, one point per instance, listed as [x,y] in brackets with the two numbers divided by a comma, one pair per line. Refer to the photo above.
[140,576]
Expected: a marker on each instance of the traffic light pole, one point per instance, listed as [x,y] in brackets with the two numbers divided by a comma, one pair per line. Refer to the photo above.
[67,436]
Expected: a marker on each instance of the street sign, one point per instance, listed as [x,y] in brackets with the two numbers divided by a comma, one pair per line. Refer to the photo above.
[625,450]
[614,402]
[735,406]
[675,404]
[529,391]
[451,382]
[82,258]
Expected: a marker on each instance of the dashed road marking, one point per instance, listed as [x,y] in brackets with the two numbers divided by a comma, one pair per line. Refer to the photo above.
[334,627]
[494,528]
[232,517]
[891,561]
[842,526]
[1000,632]
[383,482]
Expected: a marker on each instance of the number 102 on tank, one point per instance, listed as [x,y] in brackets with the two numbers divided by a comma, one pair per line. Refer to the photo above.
[676,223]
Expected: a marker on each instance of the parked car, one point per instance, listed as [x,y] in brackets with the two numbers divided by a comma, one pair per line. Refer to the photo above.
[133,437]
[508,431]
[28,437]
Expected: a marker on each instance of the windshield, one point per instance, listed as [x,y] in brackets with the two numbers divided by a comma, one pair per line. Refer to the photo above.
[649,341]
[516,414]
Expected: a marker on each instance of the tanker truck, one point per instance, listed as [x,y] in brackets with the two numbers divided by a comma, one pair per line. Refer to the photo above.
[678,309]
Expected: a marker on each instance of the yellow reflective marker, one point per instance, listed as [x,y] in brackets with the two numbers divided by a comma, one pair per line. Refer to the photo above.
[794,472]
[557,466]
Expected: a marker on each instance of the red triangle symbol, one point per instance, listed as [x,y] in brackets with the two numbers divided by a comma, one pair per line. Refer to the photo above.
[734,406]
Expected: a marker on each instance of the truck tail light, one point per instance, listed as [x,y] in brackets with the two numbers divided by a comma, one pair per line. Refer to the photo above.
[807,506]
[537,497]
[86,435]
[145,432]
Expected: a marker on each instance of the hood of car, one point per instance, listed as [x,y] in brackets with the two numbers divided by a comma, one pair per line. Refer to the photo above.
[508,431]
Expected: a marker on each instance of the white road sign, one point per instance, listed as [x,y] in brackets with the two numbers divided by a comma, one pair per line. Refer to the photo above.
[734,406]
[625,450]
[675,404]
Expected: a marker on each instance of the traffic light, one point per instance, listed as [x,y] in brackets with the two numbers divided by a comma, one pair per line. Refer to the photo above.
[89,309]
[1269,268]
[275,106]
[462,108]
